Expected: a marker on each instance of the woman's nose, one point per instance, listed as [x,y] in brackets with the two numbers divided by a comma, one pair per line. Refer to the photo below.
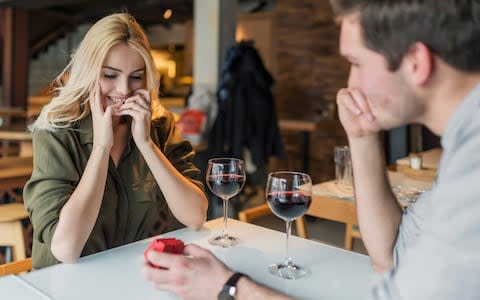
[123,87]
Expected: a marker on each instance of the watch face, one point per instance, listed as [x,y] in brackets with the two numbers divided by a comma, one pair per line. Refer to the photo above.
[229,290]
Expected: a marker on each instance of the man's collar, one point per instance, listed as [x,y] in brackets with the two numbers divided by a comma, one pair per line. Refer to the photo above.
[462,116]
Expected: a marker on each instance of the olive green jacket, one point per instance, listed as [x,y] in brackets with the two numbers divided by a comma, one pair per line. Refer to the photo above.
[132,197]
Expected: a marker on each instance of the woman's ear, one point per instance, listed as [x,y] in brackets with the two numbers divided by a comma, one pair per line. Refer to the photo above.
[419,63]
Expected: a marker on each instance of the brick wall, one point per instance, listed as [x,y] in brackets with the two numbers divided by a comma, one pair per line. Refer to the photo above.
[309,73]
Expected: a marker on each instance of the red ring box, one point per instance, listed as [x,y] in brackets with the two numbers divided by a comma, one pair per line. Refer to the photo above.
[170,245]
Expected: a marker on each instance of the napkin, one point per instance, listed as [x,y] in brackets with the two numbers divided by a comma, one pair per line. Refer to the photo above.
[334,189]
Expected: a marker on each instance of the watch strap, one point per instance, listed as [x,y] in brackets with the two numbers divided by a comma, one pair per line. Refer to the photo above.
[229,289]
[232,281]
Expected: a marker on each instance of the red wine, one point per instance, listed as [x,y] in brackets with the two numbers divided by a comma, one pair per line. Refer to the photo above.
[289,205]
[225,185]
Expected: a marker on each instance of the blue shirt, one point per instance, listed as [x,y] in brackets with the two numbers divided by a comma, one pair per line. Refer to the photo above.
[437,251]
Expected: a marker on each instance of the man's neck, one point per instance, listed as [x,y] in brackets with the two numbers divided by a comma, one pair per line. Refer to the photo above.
[447,89]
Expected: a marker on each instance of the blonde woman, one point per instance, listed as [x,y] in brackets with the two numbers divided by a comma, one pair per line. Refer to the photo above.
[102,166]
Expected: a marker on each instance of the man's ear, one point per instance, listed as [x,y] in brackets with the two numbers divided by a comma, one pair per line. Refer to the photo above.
[419,63]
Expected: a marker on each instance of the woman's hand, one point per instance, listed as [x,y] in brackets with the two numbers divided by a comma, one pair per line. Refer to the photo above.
[102,120]
[355,114]
[139,108]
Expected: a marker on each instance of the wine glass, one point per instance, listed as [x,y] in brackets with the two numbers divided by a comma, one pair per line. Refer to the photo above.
[225,178]
[289,197]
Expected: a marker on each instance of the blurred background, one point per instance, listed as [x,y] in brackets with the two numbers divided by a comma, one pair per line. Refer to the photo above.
[297,41]
[198,45]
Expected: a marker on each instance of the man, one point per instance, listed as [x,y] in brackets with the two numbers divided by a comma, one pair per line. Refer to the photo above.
[412,61]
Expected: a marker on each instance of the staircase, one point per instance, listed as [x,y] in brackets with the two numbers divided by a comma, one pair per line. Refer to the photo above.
[48,64]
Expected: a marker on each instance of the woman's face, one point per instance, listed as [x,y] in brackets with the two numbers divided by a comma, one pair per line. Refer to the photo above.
[123,73]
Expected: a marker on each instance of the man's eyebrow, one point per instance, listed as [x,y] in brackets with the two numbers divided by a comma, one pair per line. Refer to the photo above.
[118,70]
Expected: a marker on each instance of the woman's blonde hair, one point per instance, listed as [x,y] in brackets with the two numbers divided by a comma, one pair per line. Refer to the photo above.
[80,76]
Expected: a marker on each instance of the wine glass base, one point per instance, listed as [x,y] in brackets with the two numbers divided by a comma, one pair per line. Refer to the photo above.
[223,241]
[290,271]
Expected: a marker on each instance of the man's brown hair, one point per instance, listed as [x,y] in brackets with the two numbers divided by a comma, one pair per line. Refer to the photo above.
[449,28]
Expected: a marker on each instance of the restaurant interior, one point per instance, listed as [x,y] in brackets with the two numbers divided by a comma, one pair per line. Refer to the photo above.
[297,42]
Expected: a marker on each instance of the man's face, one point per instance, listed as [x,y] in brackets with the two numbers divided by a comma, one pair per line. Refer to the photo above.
[390,97]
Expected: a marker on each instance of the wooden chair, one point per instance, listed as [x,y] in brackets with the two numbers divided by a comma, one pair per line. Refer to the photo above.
[16,267]
[335,209]
[22,138]
[12,119]
[11,232]
[351,233]
[14,173]
[249,214]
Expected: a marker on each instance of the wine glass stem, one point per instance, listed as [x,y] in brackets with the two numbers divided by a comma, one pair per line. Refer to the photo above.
[225,218]
[288,259]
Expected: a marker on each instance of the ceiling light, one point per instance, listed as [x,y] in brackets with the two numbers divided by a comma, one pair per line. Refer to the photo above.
[167,14]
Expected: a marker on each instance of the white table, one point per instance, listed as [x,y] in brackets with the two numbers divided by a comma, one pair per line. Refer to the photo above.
[116,273]
[14,287]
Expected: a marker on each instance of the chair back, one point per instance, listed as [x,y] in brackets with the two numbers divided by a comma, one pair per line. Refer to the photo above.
[249,214]
[16,267]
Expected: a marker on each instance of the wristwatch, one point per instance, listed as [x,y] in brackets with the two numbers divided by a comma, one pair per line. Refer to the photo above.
[229,289]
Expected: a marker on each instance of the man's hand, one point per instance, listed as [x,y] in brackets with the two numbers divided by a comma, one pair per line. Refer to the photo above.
[197,274]
[355,114]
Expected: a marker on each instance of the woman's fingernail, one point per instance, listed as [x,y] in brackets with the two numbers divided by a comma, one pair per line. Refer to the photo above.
[356,111]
